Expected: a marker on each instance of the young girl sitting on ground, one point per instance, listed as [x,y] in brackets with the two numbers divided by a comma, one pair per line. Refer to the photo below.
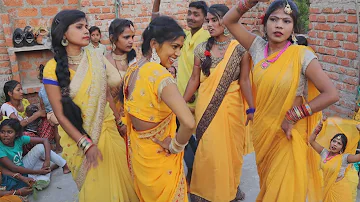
[11,153]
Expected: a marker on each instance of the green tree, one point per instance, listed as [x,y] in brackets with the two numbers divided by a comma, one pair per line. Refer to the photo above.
[303,20]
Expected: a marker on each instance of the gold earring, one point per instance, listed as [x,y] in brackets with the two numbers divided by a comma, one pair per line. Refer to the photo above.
[294,39]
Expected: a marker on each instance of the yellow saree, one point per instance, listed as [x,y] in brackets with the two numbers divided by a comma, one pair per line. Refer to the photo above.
[157,177]
[110,180]
[219,156]
[344,189]
[10,198]
[281,163]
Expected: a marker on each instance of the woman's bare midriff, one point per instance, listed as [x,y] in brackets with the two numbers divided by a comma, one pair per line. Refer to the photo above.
[141,125]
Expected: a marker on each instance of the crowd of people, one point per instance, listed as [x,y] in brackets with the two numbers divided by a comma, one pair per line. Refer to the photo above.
[127,126]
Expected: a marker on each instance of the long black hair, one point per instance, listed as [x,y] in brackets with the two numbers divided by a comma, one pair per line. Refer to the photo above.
[277,4]
[59,26]
[218,10]
[161,29]
[116,28]
[344,140]
[15,125]
[9,86]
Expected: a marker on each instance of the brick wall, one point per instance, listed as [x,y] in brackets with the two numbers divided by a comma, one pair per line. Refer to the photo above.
[334,36]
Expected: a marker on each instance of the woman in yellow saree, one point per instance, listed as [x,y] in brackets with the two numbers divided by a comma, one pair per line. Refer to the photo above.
[75,82]
[219,114]
[335,161]
[285,107]
[151,103]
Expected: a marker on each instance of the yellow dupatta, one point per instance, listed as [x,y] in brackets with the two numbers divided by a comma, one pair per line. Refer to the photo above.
[88,90]
[219,156]
[281,163]
[338,191]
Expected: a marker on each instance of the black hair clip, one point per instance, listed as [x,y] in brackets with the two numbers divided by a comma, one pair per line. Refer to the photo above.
[57,21]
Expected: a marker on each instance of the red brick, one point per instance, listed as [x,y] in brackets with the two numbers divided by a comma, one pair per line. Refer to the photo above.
[55,1]
[105,16]
[330,59]
[324,27]
[73,1]
[13,2]
[85,3]
[15,68]
[98,3]
[333,76]
[327,10]
[345,62]
[351,55]
[3,51]
[69,8]
[35,2]
[351,19]
[16,77]
[352,37]
[340,18]
[331,18]
[312,18]
[105,10]
[351,72]
[94,10]
[351,80]
[321,18]
[315,10]
[49,11]
[351,11]
[331,44]
[4,64]
[24,65]
[340,37]
[330,36]
[340,53]
[20,23]
[337,10]
[5,20]
[343,28]
[27,12]
[4,57]
[312,33]
[350,46]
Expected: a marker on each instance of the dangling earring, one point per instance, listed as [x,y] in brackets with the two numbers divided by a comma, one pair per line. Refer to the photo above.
[64,42]
[294,39]
[154,56]
[226,32]
[113,47]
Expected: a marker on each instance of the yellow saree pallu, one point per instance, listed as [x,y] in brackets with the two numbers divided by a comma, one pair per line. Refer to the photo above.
[157,177]
[281,163]
[346,188]
[219,156]
[10,198]
[110,180]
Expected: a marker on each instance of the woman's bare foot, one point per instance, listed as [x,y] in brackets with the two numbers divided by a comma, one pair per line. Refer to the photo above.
[66,169]
[54,167]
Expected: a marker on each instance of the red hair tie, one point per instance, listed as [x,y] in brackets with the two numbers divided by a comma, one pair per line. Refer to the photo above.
[262,19]
[207,53]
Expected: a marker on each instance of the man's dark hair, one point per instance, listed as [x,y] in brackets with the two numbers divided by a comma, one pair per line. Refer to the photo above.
[200,5]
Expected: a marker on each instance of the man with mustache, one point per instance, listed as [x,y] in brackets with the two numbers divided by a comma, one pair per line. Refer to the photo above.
[196,35]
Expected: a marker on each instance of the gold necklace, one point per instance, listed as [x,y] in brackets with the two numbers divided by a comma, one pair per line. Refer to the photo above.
[75,60]
[122,58]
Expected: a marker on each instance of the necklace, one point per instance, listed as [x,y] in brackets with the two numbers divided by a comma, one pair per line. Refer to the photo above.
[222,45]
[122,58]
[328,158]
[266,63]
[75,60]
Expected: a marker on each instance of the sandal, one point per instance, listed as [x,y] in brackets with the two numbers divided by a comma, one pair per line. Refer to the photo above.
[29,36]
[18,38]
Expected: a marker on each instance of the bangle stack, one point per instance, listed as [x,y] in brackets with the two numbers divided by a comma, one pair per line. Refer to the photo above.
[120,123]
[85,143]
[175,147]
[245,5]
[298,112]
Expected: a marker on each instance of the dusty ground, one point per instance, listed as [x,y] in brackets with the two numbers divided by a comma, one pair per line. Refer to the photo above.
[63,189]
